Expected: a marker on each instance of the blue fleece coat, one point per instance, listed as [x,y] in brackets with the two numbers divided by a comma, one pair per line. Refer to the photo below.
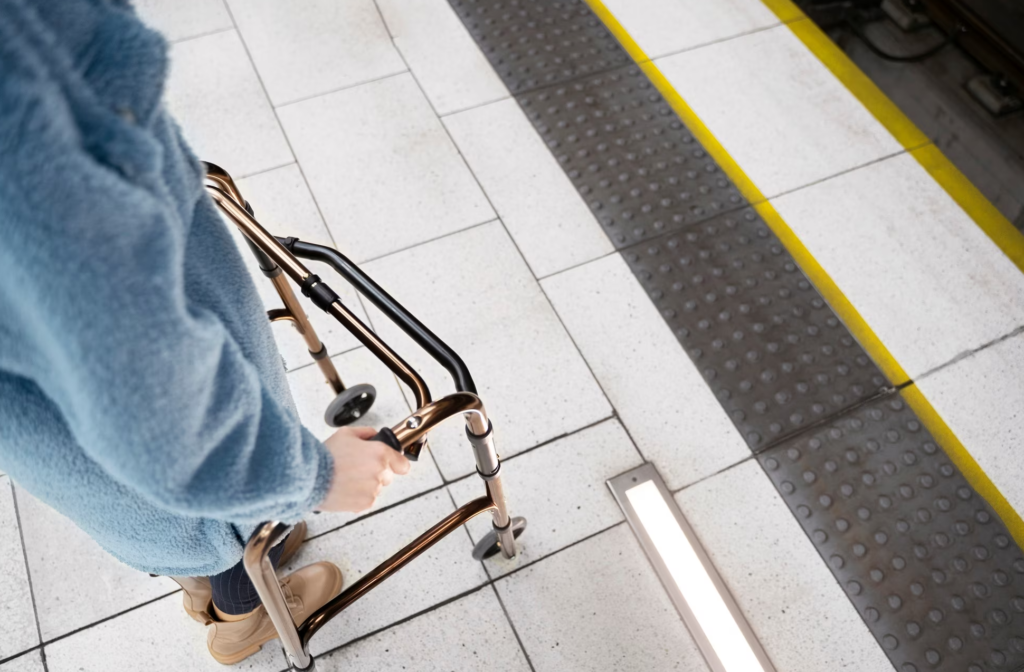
[141,393]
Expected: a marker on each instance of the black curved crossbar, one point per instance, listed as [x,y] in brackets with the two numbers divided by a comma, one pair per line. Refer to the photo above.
[397,313]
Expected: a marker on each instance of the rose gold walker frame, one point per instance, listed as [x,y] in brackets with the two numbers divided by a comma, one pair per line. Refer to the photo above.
[279,258]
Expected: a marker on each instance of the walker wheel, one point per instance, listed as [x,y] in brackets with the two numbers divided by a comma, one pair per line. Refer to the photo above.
[489,546]
[350,405]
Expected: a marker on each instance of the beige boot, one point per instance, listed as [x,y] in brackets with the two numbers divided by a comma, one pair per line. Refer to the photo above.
[196,593]
[305,590]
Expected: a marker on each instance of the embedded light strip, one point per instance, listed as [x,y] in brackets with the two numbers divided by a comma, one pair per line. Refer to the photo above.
[707,608]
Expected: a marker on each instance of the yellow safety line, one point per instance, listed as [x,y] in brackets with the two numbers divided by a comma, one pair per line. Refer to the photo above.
[988,218]
[963,192]
[985,215]
[967,465]
[942,170]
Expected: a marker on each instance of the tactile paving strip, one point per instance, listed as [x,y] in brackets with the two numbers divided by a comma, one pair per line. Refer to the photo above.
[933,572]
[929,566]
[767,344]
[532,43]
[633,161]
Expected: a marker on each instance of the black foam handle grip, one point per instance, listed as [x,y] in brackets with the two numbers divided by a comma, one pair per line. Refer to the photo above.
[387,436]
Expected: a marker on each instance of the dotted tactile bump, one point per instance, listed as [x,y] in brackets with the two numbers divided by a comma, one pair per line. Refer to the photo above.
[768,345]
[925,560]
[633,161]
[533,43]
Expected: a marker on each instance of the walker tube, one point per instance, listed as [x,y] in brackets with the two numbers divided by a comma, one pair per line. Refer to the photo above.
[261,572]
[378,574]
[395,311]
[409,435]
[296,639]
[255,232]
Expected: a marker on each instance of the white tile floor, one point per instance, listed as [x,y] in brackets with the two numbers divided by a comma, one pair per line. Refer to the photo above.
[334,112]
[981,398]
[59,555]
[798,611]
[645,373]
[803,113]
[215,94]
[930,282]
[479,295]
[447,63]
[296,49]
[16,610]
[662,27]
[552,226]
[394,172]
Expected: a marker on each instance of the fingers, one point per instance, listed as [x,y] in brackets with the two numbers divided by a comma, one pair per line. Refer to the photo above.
[366,503]
[386,477]
[399,463]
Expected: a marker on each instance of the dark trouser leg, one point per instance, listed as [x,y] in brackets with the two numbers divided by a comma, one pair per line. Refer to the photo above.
[233,592]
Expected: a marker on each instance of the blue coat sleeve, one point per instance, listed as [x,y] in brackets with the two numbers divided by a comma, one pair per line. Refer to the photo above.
[154,389]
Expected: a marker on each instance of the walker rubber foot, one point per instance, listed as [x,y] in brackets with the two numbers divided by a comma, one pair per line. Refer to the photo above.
[489,545]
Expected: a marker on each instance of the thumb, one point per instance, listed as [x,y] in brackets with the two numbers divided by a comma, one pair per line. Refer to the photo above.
[364,433]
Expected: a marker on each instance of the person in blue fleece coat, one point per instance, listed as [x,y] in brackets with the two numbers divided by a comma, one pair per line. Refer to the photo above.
[141,393]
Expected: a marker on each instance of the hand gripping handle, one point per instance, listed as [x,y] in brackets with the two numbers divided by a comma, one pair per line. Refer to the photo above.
[387,436]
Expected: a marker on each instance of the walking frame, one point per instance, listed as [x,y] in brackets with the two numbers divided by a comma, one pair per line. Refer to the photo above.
[279,260]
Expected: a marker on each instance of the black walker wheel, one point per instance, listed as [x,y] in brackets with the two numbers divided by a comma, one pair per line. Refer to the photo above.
[350,405]
[489,545]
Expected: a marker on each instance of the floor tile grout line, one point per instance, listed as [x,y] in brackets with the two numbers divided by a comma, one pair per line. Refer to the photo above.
[512,625]
[470,227]
[575,266]
[745,205]
[198,36]
[314,96]
[721,40]
[28,569]
[262,171]
[370,514]
[111,617]
[538,446]
[402,621]
[485,584]
[476,106]
[555,552]
[331,356]
[827,178]
[963,356]
[446,483]
[15,656]
[702,479]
